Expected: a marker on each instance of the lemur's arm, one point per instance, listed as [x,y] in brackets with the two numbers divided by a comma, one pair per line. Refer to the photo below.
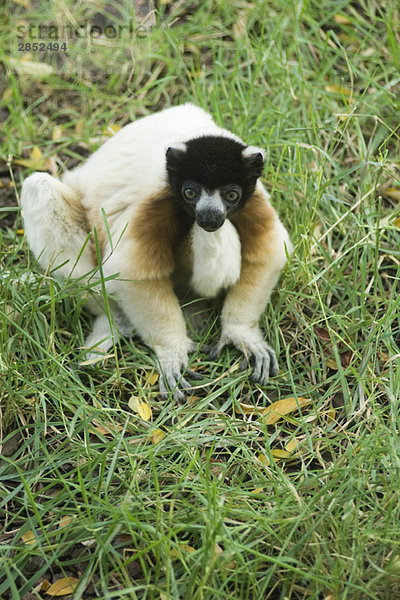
[144,259]
[265,244]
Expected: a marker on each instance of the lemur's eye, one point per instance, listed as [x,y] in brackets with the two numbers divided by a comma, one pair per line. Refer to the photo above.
[231,196]
[189,193]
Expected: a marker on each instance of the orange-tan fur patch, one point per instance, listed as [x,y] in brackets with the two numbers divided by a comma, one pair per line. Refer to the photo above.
[158,227]
[255,225]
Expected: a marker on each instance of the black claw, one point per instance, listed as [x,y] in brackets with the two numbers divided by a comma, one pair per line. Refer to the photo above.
[206,348]
[193,375]
[244,365]
[273,365]
[214,352]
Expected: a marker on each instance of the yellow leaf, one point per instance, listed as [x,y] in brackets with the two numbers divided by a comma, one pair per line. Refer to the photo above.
[263,459]
[152,379]
[36,154]
[44,586]
[257,490]
[274,411]
[79,127]
[24,3]
[292,445]
[184,547]
[140,407]
[337,89]
[331,415]
[283,407]
[279,454]
[397,222]
[332,364]
[57,133]
[20,232]
[392,192]
[28,537]
[35,69]
[156,436]
[7,94]
[342,20]
[63,586]
[35,161]
[248,409]
[113,129]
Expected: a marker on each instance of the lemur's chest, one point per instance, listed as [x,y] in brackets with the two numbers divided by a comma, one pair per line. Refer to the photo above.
[210,262]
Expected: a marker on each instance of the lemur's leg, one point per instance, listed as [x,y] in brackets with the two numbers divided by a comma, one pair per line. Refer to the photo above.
[57,234]
[264,254]
[55,226]
[155,314]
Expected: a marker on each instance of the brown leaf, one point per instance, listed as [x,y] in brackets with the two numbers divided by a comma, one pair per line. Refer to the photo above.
[322,333]
[110,428]
[345,358]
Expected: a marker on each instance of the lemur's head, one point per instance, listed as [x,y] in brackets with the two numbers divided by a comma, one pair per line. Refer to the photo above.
[213,177]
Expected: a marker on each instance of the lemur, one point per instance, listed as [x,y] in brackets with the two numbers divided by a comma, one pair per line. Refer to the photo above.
[172,202]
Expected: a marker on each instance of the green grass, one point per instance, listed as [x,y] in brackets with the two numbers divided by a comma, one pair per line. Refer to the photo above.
[210,510]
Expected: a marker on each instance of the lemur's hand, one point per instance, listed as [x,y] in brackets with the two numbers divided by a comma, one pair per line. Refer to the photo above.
[255,350]
[172,365]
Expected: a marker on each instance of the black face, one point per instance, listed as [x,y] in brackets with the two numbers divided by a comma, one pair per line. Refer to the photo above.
[213,177]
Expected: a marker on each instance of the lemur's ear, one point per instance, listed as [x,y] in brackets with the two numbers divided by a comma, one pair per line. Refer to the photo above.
[253,159]
[175,155]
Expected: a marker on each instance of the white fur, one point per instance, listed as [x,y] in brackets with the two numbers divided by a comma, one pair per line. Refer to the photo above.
[216,259]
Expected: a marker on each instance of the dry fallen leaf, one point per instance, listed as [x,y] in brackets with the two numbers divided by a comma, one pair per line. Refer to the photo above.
[263,459]
[274,411]
[280,453]
[43,586]
[292,445]
[342,20]
[152,378]
[185,547]
[65,521]
[112,129]
[110,428]
[283,407]
[36,161]
[337,89]
[156,436]
[57,133]
[28,537]
[141,408]
[63,586]
[392,192]
[35,69]
[322,333]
